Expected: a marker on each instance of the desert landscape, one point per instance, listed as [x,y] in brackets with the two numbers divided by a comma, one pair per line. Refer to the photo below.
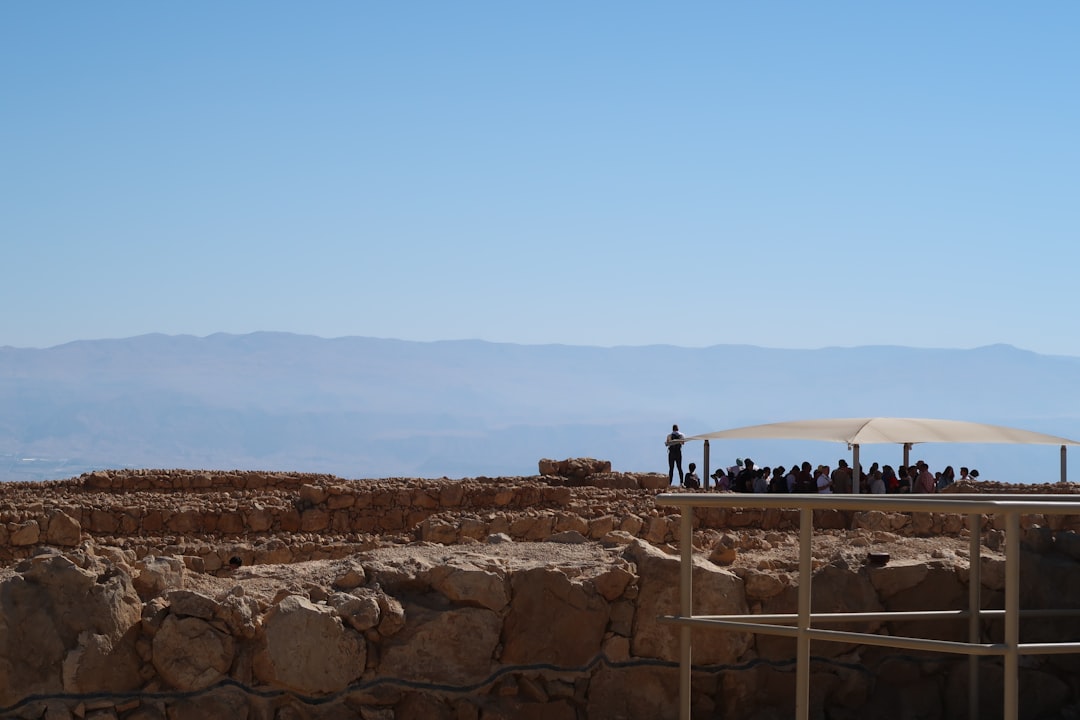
[481,599]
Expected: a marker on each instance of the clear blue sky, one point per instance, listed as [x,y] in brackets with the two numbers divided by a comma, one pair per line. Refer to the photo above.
[602,173]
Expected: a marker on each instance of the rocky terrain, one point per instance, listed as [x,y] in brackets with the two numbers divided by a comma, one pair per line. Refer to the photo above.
[478,599]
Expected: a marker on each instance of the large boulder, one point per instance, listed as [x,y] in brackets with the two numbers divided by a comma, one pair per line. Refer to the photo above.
[360,608]
[836,588]
[190,653]
[467,582]
[940,589]
[716,592]
[62,529]
[25,533]
[102,664]
[306,648]
[448,645]
[553,619]
[57,605]
[636,693]
[155,575]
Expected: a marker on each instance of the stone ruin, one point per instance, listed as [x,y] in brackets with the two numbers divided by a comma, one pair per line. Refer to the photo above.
[480,599]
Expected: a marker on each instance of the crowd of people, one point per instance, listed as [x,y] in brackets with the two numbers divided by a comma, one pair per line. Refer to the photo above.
[745,476]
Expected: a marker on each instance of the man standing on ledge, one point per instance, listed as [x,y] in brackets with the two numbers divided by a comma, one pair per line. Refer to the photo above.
[674,444]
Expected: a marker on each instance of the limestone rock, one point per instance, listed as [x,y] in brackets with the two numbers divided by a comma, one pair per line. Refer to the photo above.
[467,583]
[716,592]
[101,664]
[576,468]
[55,607]
[25,533]
[219,703]
[836,589]
[612,582]
[391,614]
[636,693]
[898,575]
[553,619]
[190,653]
[762,584]
[63,530]
[354,577]
[306,648]
[155,575]
[240,615]
[187,603]
[360,608]
[940,589]
[569,537]
[443,645]
[438,530]
[312,494]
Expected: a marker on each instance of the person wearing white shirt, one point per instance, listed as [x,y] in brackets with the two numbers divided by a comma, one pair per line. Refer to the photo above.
[877,483]
[824,482]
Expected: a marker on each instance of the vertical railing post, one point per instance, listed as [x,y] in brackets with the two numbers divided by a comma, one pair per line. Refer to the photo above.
[974,606]
[705,469]
[806,572]
[686,606]
[1011,707]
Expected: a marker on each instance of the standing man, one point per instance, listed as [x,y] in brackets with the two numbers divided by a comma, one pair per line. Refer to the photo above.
[924,481]
[841,477]
[674,444]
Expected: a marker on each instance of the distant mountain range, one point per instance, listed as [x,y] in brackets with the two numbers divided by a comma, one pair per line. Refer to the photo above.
[364,408]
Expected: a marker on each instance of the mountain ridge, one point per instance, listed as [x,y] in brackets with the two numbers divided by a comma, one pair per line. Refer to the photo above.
[376,407]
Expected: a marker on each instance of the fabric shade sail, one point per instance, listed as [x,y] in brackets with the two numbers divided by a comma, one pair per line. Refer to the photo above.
[862,431]
[904,431]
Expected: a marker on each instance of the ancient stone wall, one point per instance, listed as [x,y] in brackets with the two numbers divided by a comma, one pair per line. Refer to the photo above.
[321,516]
[477,599]
[500,631]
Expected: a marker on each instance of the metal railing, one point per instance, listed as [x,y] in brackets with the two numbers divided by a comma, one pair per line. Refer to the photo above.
[972,505]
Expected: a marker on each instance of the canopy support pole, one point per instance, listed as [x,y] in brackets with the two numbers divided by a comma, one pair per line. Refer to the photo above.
[855,468]
[1064,475]
[705,466]
[907,455]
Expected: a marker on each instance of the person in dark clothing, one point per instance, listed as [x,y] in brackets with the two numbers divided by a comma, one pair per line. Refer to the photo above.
[744,481]
[778,482]
[674,443]
[692,481]
[805,483]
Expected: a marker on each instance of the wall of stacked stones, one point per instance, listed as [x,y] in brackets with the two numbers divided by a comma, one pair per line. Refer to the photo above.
[319,516]
[93,634]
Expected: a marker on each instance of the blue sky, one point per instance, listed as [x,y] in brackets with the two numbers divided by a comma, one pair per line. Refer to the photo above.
[603,173]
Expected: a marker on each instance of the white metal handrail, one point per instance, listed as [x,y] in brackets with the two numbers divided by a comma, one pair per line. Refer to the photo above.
[974,505]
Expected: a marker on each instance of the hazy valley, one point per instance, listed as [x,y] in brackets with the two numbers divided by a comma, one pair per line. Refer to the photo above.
[363,408]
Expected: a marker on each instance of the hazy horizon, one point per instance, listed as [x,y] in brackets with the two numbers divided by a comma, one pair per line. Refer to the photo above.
[525,344]
[367,407]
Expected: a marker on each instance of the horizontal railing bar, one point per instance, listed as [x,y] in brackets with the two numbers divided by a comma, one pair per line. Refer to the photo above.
[846,617]
[958,503]
[889,616]
[893,641]
[764,629]
[1049,648]
[906,643]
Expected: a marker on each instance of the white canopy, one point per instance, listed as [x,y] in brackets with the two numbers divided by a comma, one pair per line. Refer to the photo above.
[905,431]
[860,431]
